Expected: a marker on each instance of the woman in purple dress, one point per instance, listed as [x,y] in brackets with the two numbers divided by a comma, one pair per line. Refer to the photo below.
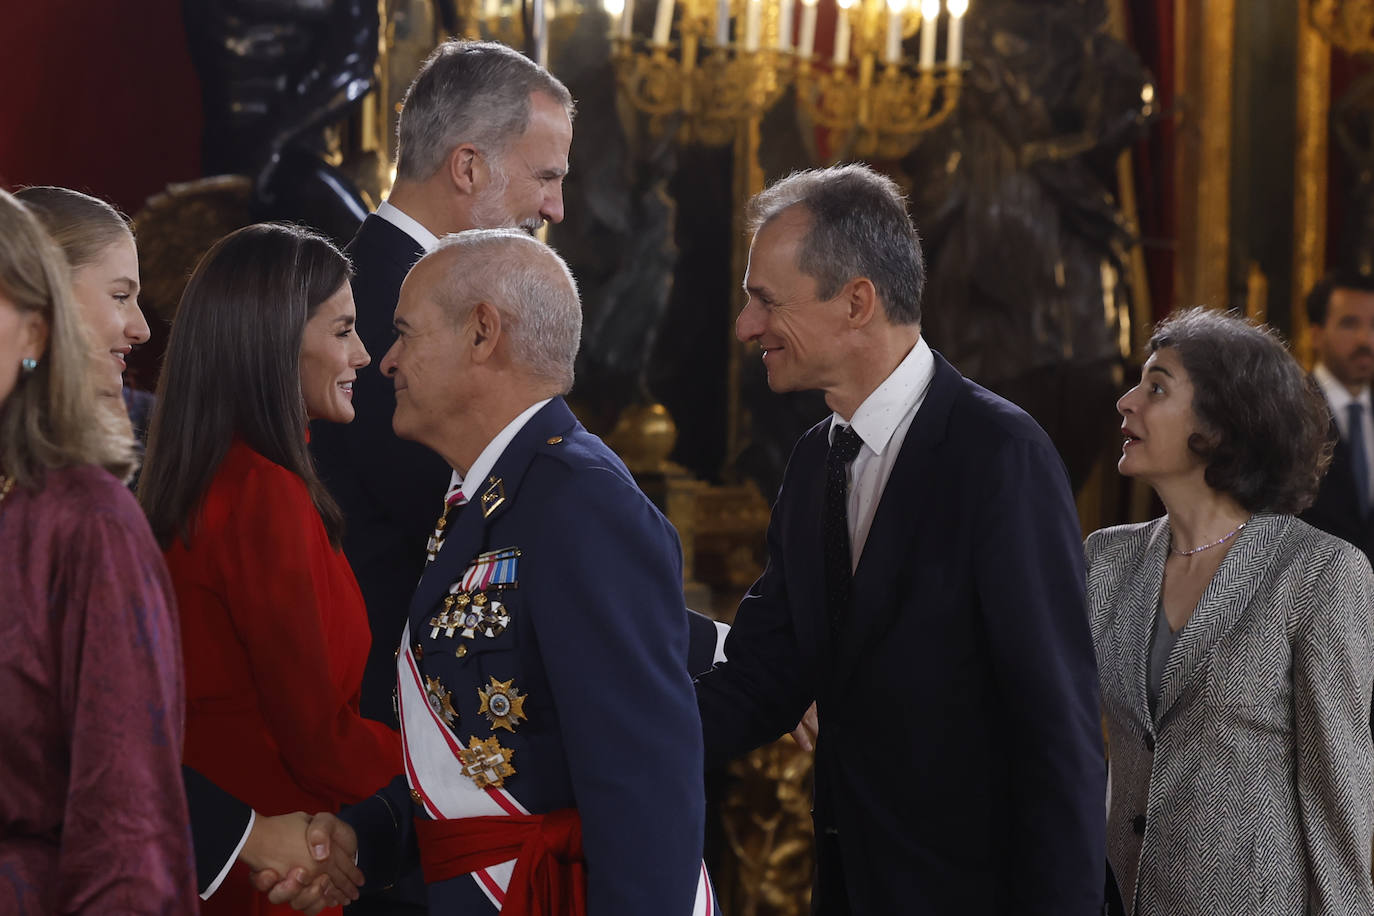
[90,664]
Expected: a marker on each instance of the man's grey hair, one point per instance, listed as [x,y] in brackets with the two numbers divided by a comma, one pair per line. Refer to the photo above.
[474,92]
[528,284]
[859,228]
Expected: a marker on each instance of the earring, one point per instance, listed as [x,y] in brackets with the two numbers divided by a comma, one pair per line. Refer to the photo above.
[28,364]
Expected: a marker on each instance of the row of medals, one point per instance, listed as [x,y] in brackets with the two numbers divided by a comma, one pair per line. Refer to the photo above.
[485,762]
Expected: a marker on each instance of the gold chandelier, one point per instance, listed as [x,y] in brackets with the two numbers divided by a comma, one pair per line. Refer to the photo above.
[1347,24]
[728,62]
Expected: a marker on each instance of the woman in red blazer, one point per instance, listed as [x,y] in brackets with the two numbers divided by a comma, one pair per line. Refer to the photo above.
[274,630]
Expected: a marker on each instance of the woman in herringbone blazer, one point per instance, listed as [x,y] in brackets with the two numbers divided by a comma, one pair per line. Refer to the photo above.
[1235,644]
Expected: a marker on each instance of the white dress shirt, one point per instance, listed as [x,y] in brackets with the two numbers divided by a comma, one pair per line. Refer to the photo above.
[409,225]
[882,421]
[492,453]
[1339,397]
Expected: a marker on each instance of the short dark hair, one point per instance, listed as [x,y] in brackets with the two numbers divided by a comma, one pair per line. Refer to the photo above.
[468,92]
[859,228]
[1265,426]
[232,370]
[1319,298]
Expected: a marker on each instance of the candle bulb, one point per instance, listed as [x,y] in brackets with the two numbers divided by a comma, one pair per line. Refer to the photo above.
[955,49]
[614,10]
[753,21]
[539,31]
[663,22]
[929,10]
[723,23]
[785,26]
[894,31]
[806,46]
[842,35]
[627,20]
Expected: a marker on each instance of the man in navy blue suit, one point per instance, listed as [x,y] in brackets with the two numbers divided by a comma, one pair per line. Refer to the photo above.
[924,585]
[483,143]
[552,747]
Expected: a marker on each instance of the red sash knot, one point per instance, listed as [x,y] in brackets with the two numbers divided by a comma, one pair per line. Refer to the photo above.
[550,877]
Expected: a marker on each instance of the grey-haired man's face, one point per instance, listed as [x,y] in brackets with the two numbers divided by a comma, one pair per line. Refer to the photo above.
[527,180]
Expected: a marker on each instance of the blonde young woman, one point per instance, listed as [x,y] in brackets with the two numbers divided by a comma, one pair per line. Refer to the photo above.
[90,667]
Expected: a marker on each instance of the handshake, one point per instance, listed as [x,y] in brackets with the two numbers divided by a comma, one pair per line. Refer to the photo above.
[307,862]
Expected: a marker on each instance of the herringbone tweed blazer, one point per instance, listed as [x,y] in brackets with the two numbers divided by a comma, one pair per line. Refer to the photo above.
[1249,791]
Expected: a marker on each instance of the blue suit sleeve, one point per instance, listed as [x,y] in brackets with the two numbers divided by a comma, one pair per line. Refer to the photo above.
[1031,590]
[384,823]
[613,639]
[762,689]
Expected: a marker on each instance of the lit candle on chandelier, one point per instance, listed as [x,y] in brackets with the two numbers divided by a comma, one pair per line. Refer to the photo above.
[539,31]
[753,24]
[723,23]
[842,32]
[895,9]
[663,22]
[930,9]
[806,46]
[627,20]
[955,49]
[614,10]
[785,26]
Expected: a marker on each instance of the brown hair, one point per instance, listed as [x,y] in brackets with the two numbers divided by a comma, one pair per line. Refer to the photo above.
[53,418]
[81,225]
[232,371]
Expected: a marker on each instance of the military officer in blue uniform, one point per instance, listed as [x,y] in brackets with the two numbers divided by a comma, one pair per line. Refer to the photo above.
[546,710]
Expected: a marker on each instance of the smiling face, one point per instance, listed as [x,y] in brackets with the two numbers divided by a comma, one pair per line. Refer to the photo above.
[107,291]
[526,184]
[1158,420]
[801,335]
[331,355]
[424,362]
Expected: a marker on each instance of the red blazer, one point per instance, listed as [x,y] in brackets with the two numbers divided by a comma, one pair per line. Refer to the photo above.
[275,637]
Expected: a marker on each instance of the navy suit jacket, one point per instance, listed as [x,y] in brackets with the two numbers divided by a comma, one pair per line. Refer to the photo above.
[960,763]
[1336,510]
[218,823]
[597,641]
[391,491]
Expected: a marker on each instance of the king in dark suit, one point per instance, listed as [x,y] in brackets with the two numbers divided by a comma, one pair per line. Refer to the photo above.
[1340,312]
[552,747]
[924,585]
[484,138]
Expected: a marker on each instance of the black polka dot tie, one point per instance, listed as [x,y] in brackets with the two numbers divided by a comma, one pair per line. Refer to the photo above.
[835,524]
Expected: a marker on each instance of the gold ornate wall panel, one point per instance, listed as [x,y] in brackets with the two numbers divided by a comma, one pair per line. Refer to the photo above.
[1309,174]
[1204,68]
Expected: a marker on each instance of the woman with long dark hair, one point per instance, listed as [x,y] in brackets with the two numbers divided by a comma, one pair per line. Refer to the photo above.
[274,628]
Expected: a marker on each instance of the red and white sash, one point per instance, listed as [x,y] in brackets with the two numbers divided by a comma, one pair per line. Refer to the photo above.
[431,757]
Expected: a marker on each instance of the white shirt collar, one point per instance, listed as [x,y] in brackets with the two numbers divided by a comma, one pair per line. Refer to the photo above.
[407,224]
[492,453]
[1337,395]
[882,411]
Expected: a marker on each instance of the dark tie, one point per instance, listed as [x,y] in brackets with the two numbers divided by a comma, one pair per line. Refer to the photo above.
[843,448]
[1359,460]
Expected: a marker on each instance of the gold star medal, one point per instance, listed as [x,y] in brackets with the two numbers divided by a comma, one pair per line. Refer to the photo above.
[502,704]
[441,701]
[486,763]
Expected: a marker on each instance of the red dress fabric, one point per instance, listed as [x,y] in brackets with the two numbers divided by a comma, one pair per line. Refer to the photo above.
[275,636]
[92,814]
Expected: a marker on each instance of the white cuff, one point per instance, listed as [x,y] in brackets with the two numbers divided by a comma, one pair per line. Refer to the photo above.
[722,631]
[214,885]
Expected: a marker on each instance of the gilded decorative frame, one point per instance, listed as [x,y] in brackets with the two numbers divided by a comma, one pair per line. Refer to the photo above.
[1309,174]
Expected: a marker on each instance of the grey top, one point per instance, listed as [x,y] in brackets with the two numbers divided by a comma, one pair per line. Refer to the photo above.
[1161,644]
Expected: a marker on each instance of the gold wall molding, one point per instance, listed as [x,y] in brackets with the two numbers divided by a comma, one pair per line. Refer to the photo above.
[1204,77]
[1309,175]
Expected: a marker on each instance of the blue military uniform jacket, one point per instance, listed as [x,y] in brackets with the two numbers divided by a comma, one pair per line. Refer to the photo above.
[561,674]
